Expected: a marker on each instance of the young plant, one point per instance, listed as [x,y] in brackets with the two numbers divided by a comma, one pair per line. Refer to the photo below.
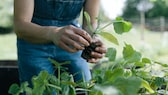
[120,26]
[48,84]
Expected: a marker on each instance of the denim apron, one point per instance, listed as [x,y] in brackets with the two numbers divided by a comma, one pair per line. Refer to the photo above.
[33,58]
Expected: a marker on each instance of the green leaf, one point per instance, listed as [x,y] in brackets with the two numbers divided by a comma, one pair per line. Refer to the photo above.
[130,55]
[14,89]
[25,88]
[98,75]
[119,19]
[65,90]
[128,86]
[139,64]
[88,21]
[111,54]
[54,62]
[109,37]
[143,74]
[146,60]
[128,73]
[159,81]
[40,82]
[121,26]
[111,76]
[96,92]
[127,26]
[72,90]
[147,86]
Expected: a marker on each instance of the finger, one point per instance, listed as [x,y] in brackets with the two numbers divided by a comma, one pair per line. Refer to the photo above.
[96,55]
[101,49]
[72,43]
[79,39]
[66,47]
[83,33]
[93,60]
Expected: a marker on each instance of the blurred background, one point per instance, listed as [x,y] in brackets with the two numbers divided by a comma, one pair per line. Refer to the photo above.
[149,34]
[7,36]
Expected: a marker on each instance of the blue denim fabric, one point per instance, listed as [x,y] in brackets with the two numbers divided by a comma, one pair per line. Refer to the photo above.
[32,58]
[58,10]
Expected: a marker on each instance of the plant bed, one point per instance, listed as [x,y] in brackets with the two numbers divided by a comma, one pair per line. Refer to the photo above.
[64,83]
[8,75]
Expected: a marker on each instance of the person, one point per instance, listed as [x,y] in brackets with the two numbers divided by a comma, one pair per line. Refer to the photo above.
[50,29]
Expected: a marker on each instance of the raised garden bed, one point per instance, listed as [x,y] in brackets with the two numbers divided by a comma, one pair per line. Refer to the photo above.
[8,75]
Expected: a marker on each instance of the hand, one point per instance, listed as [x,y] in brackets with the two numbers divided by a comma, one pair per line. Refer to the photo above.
[71,38]
[99,51]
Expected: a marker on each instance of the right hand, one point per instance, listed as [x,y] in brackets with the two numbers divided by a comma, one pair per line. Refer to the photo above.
[70,38]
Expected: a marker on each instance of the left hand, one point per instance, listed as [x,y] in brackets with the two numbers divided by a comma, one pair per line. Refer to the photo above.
[99,51]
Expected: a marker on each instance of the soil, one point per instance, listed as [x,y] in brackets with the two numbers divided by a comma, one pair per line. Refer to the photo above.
[86,54]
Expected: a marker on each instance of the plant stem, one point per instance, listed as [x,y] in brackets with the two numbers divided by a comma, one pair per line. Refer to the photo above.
[59,78]
[98,30]
[166,89]
[51,85]
[84,81]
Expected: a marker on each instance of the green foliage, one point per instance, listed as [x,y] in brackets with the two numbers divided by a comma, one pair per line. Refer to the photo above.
[128,86]
[120,26]
[6,13]
[117,76]
[146,85]
[130,10]
[160,9]
[159,81]
[131,74]
[47,84]
[111,54]
[166,1]
[41,84]
[16,90]
[109,37]
[130,55]
[88,21]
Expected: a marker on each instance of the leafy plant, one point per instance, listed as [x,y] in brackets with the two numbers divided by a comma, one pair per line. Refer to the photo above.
[129,75]
[132,74]
[120,26]
[47,84]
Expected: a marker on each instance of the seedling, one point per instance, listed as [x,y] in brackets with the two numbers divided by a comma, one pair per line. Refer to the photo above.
[120,26]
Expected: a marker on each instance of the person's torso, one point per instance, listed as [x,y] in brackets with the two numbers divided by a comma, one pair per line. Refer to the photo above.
[56,12]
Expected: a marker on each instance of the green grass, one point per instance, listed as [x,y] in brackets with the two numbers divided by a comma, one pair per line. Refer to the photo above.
[8,46]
